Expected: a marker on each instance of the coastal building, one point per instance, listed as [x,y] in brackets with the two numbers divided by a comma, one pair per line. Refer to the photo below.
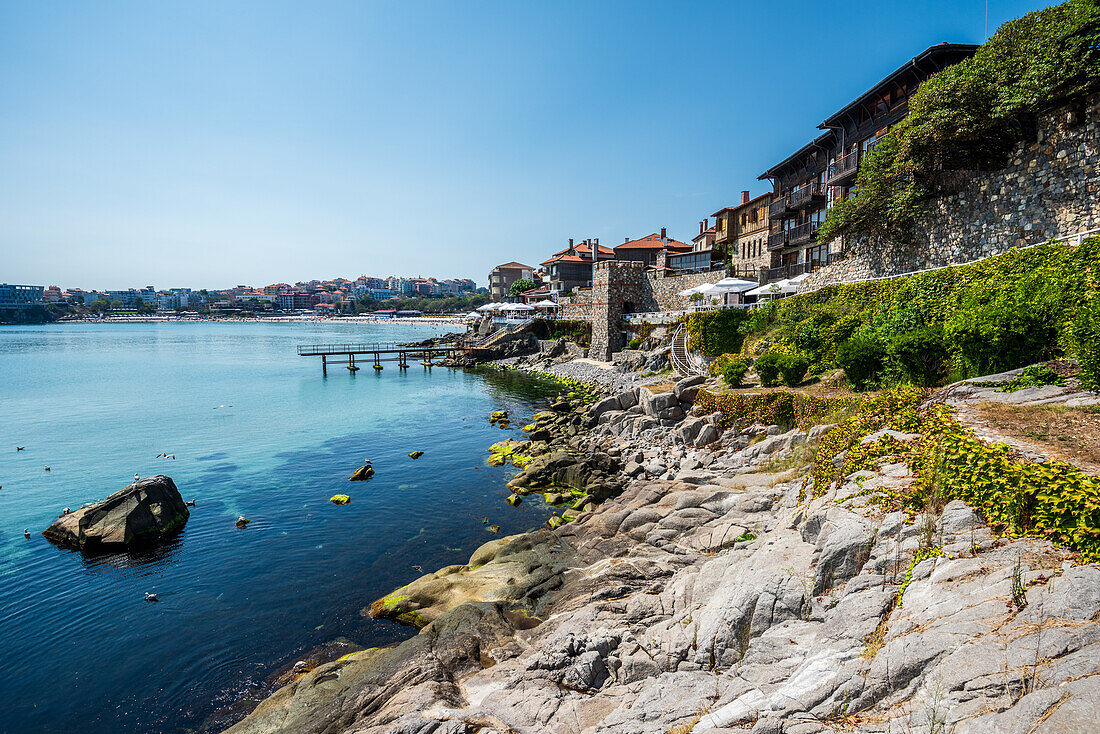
[750,226]
[646,249]
[701,256]
[502,277]
[20,296]
[812,179]
[293,301]
[572,267]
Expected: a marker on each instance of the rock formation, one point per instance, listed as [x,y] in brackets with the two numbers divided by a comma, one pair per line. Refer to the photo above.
[139,515]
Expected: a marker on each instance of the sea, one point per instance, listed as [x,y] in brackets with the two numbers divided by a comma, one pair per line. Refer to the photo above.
[255,431]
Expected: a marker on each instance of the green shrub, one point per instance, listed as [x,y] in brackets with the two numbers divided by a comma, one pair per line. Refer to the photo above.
[716,332]
[720,363]
[1085,342]
[1000,335]
[634,343]
[734,372]
[793,368]
[767,368]
[861,358]
[920,356]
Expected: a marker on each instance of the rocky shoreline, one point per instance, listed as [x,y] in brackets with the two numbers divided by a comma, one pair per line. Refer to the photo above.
[692,584]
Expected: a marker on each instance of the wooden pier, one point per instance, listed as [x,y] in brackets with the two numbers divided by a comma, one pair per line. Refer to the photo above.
[375,354]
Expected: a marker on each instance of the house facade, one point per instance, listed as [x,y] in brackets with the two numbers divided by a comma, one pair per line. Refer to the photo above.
[811,180]
[646,249]
[502,277]
[572,267]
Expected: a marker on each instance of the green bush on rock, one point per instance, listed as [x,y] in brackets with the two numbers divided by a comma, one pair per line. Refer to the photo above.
[920,356]
[1085,337]
[793,368]
[733,374]
[767,368]
[861,358]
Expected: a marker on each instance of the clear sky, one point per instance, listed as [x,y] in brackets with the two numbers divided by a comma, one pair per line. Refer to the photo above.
[210,143]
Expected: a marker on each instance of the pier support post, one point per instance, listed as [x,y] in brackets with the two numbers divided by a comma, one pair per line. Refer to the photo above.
[324,366]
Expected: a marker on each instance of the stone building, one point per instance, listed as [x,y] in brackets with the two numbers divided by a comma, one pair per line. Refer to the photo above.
[1049,189]
[646,249]
[809,181]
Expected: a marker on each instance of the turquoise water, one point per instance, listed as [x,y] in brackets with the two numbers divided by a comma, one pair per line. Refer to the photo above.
[256,431]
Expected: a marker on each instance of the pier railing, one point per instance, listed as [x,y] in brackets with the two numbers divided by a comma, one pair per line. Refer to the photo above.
[312,350]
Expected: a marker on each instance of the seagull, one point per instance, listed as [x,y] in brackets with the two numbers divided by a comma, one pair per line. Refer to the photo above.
[162,455]
[172,457]
[190,503]
[66,511]
[242,521]
[20,448]
[136,477]
[47,468]
[151,596]
[26,532]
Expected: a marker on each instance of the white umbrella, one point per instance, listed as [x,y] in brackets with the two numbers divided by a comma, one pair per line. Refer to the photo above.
[689,291]
[546,304]
[772,289]
[489,307]
[516,307]
[735,285]
[473,315]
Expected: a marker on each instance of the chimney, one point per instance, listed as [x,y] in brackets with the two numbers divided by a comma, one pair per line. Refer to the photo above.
[625,240]
[570,245]
[702,228]
[664,235]
[744,197]
[595,249]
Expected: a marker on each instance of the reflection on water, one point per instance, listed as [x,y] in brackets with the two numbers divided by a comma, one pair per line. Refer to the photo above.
[80,648]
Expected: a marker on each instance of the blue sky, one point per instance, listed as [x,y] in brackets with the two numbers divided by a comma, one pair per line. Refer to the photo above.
[206,144]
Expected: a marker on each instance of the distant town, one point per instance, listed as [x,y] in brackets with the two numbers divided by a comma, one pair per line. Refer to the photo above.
[338,295]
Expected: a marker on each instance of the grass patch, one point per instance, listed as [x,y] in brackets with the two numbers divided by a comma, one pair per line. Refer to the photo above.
[1063,433]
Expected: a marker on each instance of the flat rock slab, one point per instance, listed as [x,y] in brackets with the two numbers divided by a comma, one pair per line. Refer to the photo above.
[142,514]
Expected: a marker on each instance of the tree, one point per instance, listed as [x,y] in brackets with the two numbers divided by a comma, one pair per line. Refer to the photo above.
[521,285]
[100,304]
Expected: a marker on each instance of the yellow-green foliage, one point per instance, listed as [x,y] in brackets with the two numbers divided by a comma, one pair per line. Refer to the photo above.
[772,408]
[922,554]
[981,307]
[716,332]
[895,408]
[1053,500]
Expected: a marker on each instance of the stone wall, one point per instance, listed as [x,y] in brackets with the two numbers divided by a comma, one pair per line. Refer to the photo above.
[615,284]
[1050,189]
[576,306]
[663,293]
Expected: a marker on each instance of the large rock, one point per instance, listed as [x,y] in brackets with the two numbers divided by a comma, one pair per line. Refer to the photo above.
[142,514]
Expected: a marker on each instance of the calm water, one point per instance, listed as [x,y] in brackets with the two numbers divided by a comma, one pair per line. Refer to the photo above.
[256,432]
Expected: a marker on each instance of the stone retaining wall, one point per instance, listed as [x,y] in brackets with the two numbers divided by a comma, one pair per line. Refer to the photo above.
[1050,189]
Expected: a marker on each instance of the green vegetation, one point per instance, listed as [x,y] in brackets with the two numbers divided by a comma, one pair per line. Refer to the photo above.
[578,331]
[781,407]
[792,367]
[733,373]
[767,368]
[716,332]
[1034,376]
[450,304]
[521,285]
[1085,339]
[1002,313]
[970,115]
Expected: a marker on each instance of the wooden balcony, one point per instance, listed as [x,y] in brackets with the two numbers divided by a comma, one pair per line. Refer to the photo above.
[808,196]
[802,233]
[843,170]
[777,241]
[780,208]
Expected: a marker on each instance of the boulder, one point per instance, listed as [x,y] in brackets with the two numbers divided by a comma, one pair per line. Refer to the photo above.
[139,515]
[339,499]
[687,388]
[362,474]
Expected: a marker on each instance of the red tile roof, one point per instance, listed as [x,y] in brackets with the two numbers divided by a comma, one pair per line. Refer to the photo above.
[513,266]
[653,241]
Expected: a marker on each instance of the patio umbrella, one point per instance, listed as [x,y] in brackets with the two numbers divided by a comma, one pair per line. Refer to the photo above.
[489,307]
[689,291]
[546,304]
[516,307]
[473,315]
[735,285]
[774,289]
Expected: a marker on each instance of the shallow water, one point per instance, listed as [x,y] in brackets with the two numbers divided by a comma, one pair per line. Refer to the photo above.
[257,432]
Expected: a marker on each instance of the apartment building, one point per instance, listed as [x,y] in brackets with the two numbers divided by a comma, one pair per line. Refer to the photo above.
[502,277]
[572,267]
[809,181]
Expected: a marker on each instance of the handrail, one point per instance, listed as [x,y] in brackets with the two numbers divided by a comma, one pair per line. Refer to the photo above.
[678,364]
[309,350]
